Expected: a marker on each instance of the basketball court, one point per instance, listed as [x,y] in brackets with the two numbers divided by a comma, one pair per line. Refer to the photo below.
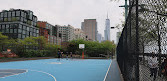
[55,70]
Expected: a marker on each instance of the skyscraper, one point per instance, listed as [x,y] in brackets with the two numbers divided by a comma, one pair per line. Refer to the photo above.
[89,26]
[107,29]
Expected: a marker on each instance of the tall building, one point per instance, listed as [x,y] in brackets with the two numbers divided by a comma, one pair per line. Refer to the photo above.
[67,33]
[79,34]
[18,23]
[99,37]
[89,26]
[107,29]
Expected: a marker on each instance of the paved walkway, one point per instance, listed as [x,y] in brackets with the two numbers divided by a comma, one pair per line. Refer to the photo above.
[114,73]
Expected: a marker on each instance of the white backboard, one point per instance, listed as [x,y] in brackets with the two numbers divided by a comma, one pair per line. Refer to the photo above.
[81,46]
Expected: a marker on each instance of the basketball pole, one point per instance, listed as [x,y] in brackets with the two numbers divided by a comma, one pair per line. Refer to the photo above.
[83,53]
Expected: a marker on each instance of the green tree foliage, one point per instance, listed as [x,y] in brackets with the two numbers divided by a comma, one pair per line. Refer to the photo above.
[29,47]
[92,48]
[3,41]
[51,49]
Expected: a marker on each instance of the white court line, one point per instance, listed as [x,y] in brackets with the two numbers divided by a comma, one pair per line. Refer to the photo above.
[45,73]
[27,71]
[107,72]
[14,74]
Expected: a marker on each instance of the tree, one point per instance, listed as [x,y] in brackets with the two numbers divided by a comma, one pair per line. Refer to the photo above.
[92,48]
[3,41]
[40,41]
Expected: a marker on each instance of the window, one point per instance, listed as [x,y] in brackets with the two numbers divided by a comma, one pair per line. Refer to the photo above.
[22,19]
[34,34]
[7,26]
[15,30]
[17,13]
[11,30]
[34,31]
[25,15]
[19,36]
[35,19]
[16,25]
[31,14]
[9,19]
[28,33]
[22,14]
[13,14]
[35,24]
[9,14]
[25,20]
[1,19]
[28,29]
[3,31]
[7,30]
[1,14]
[18,18]
[24,32]
[3,26]
[20,26]
[37,31]
[24,27]
[19,31]
[5,14]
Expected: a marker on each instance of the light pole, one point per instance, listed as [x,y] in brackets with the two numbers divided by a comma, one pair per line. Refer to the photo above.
[126,9]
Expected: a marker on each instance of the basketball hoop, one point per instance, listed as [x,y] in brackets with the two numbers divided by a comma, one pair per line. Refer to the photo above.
[81,46]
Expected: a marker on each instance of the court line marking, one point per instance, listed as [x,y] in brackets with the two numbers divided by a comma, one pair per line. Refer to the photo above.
[45,73]
[14,74]
[27,71]
[107,72]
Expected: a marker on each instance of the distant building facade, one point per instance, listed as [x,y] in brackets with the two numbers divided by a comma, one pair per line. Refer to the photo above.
[89,26]
[99,37]
[49,32]
[67,32]
[46,30]
[107,29]
[18,23]
[79,34]
[102,38]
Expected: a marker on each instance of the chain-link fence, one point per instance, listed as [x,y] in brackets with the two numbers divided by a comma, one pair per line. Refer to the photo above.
[144,33]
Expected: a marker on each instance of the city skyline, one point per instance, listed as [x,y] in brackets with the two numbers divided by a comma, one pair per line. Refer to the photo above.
[71,12]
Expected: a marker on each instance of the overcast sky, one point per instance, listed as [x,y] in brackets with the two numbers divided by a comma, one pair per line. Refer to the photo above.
[73,12]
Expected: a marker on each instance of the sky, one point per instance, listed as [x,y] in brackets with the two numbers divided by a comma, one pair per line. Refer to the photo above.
[73,12]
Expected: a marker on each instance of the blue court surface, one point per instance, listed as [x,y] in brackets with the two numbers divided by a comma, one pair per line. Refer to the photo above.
[55,70]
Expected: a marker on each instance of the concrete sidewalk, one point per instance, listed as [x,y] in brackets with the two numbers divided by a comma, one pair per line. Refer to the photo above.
[114,72]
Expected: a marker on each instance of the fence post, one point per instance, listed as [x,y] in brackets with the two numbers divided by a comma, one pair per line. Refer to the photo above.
[137,43]
[159,43]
